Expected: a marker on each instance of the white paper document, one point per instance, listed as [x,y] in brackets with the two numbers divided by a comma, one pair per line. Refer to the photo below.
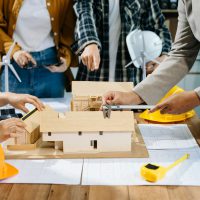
[49,171]
[127,171]
[167,136]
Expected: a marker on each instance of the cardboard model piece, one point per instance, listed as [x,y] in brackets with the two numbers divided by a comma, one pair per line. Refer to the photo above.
[79,132]
[87,95]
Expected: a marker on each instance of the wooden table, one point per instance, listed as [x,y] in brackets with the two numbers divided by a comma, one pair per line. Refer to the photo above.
[68,192]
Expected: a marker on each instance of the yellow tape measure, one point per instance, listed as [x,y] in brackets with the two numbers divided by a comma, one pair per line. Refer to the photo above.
[153,173]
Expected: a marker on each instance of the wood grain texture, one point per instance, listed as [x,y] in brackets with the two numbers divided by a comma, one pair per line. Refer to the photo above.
[148,193]
[59,192]
[29,191]
[90,88]
[108,193]
[183,193]
[5,191]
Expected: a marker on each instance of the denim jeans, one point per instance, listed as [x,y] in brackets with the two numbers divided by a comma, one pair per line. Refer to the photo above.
[37,81]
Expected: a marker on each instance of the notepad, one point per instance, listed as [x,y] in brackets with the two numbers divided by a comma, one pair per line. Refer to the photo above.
[167,136]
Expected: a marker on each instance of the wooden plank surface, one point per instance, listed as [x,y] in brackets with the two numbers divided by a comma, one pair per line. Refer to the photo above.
[65,192]
[108,193]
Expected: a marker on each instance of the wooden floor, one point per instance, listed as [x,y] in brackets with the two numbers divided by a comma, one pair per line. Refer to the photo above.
[57,192]
[65,192]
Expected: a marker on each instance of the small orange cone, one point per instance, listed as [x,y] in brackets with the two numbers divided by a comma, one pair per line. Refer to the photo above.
[6,170]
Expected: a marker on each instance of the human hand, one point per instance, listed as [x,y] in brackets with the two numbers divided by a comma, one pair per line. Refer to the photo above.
[19,100]
[121,98]
[178,103]
[22,58]
[91,57]
[11,128]
[61,68]
[152,65]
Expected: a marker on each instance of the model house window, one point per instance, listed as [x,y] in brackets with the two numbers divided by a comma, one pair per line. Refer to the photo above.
[93,143]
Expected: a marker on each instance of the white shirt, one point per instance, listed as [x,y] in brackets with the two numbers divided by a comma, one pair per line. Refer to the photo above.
[114,35]
[33,28]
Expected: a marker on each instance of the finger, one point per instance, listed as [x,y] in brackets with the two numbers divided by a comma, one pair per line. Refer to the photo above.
[21,61]
[24,59]
[23,108]
[84,60]
[109,102]
[33,102]
[157,107]
[63,60]
[14,122]
[105,97]
[36,103]
[14,135]
[20,130]
[90,63]
[149,64]
[41,105]
[96,62]
[30,58]
[57,69]
[165,110]
[50,68]
[17,123]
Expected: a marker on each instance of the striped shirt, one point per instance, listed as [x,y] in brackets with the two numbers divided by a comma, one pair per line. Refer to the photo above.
[93,27]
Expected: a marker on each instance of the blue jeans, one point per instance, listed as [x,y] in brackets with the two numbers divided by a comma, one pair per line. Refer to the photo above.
[37,81]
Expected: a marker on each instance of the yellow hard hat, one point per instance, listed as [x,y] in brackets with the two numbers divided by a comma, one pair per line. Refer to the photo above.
[167,118]
[6,170]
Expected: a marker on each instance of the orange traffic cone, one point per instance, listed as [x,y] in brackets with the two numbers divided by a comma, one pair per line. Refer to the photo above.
[6,170]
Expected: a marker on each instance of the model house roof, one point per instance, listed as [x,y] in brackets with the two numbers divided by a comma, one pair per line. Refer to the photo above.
[34,118]
[89,88]
[89,122]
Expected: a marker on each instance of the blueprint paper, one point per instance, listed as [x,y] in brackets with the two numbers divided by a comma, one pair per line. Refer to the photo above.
[127,171]
[52,171]
[167,136]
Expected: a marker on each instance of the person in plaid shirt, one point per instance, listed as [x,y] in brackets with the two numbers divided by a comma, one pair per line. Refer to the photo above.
[100,37]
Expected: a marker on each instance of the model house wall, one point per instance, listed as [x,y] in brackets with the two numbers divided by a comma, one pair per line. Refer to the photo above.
[82,132]
[79,132]
[86,142]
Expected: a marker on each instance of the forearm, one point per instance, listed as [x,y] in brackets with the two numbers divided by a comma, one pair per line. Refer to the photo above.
[86,32]
[4,99]
[173,69]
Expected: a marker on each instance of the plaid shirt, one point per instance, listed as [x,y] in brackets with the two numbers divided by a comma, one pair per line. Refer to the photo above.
[93,27]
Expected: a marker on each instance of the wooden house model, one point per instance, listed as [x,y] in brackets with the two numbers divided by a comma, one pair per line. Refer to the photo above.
[78,132]
[87,95]
[87,132]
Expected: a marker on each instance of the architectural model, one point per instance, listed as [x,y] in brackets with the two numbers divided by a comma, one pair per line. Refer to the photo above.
[87,95]
[78,132]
